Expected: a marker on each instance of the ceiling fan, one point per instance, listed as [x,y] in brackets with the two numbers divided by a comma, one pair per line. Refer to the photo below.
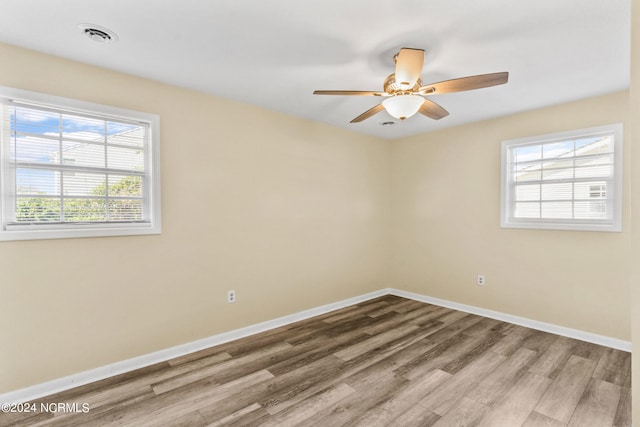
[405,93]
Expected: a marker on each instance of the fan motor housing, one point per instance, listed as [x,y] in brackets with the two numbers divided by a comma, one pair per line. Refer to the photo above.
[390,85]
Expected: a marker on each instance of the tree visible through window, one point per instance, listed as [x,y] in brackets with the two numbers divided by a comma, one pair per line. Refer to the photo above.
[76,169]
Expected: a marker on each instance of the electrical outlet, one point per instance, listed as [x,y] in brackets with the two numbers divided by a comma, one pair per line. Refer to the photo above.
[231,296]
[480,280]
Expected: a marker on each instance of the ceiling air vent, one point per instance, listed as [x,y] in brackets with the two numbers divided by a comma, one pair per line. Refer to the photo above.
[98,34]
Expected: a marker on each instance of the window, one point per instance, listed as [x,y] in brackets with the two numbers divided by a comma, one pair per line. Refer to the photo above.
[569,181]
[74,169]
[598,192]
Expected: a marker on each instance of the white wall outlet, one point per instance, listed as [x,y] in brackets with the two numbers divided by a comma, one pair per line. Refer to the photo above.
[231,296]
[480,280]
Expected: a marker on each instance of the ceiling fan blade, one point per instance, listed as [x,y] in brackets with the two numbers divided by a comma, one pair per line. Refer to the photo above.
[349,92]
[466,83]
[433,110]
[370,112]
[408,67]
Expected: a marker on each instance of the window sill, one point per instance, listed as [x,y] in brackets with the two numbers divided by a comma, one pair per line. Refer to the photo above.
[84,232]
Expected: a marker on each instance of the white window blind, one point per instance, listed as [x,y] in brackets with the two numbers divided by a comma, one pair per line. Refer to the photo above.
[564,181]
[69,172]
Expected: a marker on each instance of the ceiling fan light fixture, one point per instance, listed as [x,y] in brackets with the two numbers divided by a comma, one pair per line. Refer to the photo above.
[403,106]
[404,90]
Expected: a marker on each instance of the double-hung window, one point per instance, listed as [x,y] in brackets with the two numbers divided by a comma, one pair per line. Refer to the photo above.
[76,169]
[570,180]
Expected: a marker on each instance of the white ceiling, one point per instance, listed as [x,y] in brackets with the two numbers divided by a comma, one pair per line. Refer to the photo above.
[275,53]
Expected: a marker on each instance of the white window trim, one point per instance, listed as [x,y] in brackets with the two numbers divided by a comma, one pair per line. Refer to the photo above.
[85,230]
[506,187]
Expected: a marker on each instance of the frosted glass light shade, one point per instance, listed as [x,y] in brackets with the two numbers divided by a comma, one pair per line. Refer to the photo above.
[403,106]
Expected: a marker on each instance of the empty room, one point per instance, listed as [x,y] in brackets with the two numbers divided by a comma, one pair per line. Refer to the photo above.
[319,213]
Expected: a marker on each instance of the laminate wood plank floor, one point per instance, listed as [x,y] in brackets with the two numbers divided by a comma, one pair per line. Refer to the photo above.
[385,362]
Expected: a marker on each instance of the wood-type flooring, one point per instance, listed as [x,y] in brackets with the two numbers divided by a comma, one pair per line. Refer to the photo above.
[385,362]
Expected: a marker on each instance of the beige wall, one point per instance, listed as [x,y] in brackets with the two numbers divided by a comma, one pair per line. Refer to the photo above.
[446,227]
[290,213]
[634,114]
[293,215]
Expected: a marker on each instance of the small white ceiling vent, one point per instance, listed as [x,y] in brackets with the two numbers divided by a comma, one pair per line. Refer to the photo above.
[98,33]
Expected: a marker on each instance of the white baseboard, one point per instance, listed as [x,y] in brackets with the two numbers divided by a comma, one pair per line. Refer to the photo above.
[86,377]
[522,321]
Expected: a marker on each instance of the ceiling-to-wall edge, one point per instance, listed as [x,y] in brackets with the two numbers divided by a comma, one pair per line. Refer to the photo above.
[290,211]
[296,126]
[446,226]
